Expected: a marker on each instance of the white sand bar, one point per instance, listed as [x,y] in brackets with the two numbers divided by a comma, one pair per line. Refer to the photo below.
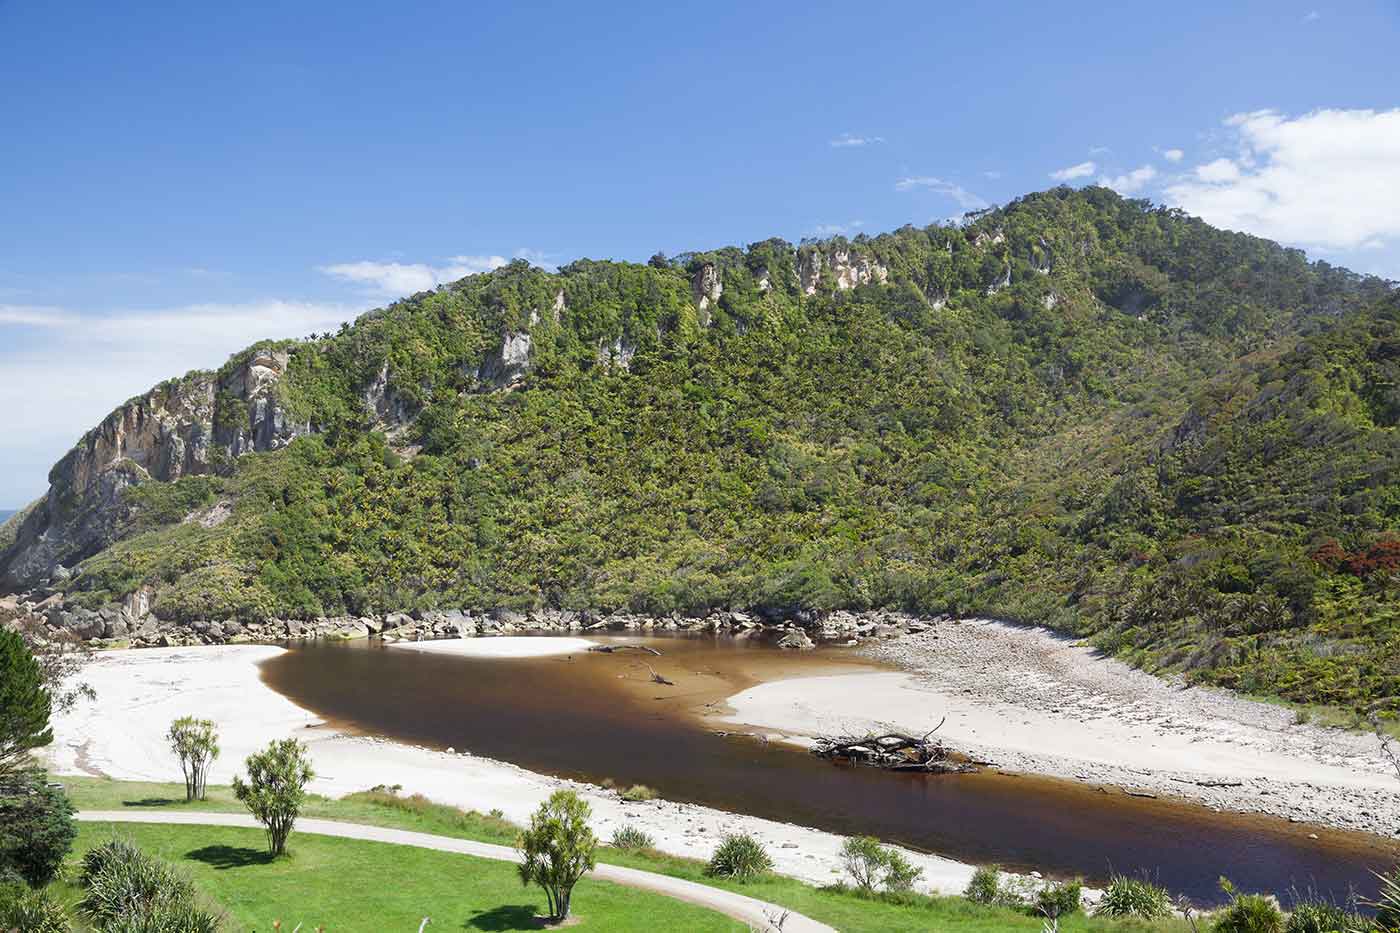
[1036,702]
[504,646]
[140,692]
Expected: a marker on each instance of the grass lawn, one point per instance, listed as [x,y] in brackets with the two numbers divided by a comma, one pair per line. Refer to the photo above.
[350,885]
[843,910]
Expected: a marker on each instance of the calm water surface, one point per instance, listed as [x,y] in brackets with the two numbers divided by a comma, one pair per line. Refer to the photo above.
[594,716]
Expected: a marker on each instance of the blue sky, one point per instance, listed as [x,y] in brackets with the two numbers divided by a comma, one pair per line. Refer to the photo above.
[178,180]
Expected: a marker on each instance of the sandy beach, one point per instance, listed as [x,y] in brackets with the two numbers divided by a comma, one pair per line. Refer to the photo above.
[140,692]
[1034,702]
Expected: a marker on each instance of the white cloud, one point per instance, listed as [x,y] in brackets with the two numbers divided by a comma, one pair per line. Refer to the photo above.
[1173,155]
[829,230]
[846,140]
[1219,170]
[965,199]
[1328,178]
[34,316]
[992,174]
[1130,182]
[395,279]
[89,364]
[1082,170]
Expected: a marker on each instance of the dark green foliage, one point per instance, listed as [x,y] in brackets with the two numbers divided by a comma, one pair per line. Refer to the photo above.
[1126,896]
[31,911]
[276,789]
[36,830]
[1059,899]
[739,856]
[1180,441]
[127,890]
[25,705]
[871,866]
[985,886]
[1248,913]
[1323,917]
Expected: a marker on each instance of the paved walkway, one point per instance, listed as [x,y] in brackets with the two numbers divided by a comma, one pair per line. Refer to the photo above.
[759,915]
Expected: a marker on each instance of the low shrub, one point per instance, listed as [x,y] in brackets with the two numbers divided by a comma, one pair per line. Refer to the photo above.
[638,793]
[129,891]
[631,839]
[871,865]
[36,829]
[1059,900]
[740,857]
[1134,897]
[985,886]
[900,873]
[30,911]
[1387,902]
[1250,913]
[1321,917]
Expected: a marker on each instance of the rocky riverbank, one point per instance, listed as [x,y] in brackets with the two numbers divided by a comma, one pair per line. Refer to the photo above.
[1033,702]
[133,624]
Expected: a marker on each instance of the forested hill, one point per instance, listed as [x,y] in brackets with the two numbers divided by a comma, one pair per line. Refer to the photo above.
[1077,409]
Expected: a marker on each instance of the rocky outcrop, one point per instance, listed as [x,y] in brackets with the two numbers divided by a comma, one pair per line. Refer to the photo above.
[509,363]
[707,289]
[383,404]
[180,428]
[617,354]
[840,270]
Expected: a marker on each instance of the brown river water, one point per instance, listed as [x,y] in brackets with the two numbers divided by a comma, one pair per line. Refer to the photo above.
[592,716]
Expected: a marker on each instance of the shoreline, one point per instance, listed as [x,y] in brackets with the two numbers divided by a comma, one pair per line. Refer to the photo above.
[121,736]
[1007,691]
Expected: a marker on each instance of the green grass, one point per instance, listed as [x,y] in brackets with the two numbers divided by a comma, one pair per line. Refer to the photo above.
[843,910]
[351,885]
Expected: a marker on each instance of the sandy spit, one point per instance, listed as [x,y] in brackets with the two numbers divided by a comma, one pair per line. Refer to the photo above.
[1035,702]
[140,692]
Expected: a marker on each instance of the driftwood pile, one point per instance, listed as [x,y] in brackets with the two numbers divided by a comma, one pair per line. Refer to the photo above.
[893,751]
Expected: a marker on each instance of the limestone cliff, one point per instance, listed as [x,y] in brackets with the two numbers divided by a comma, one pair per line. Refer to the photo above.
[182,427]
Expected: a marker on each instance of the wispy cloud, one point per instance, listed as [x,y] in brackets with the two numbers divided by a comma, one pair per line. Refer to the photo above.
[88,364]
[394,279]
[1070,173]
[1130,182]
[992,174]
[1329,178]
[964,198]
[830,230]
[1312,16]
[1173,155]
[847,140]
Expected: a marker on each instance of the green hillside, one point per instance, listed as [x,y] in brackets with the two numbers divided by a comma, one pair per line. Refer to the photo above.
[1077,410]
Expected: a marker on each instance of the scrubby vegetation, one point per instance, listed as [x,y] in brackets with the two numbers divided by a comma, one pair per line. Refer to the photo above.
[741,857]
[631,839]
[1079,410]
[1127,896]
[126,889]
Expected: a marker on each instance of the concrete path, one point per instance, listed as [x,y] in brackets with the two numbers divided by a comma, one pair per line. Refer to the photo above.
[759,915]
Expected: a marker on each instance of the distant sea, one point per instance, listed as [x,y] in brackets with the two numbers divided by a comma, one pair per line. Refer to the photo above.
[5,514]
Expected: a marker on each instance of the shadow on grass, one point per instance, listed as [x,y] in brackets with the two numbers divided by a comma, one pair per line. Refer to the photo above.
[152,802]
[507,917]
[230,856]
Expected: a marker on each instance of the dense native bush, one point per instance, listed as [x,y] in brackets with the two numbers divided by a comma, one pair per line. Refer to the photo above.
[741,857]
[1148,434]
[36,829]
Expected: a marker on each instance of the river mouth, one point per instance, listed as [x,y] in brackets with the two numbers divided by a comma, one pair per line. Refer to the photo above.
[593,716]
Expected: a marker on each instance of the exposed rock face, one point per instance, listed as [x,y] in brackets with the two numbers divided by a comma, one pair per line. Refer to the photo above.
[509,364]
[707,288]
[177,429]
[619,354]
[844,270]
[384,404]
